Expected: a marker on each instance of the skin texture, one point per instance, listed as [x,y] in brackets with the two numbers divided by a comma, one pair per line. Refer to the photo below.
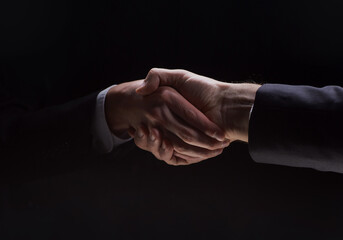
[164,123]
[226,104]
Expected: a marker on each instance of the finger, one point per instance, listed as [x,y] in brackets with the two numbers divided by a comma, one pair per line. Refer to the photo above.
[190,160]
[141,136]
[161,148]
[166,151]
[154,142]
[150,139]
[193,151]
[161,77]
[191,115]
[177,161]
[154,139]
[187,133]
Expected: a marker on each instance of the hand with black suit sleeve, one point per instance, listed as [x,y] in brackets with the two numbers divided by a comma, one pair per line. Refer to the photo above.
[289,125]
[226,104]
[38,141]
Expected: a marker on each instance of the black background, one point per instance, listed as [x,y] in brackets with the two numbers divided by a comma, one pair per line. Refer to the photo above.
[56,51]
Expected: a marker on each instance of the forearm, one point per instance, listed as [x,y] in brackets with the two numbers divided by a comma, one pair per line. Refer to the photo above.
[48,133]
[298,126]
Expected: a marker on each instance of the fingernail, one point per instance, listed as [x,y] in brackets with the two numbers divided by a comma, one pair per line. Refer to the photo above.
[152,137]
[141,87]
[140,133]
[163,146]
[217,136]
[226,143]
[219,151]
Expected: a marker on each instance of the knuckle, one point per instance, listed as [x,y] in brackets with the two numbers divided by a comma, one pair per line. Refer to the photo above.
[153,71]
[158,117]
[203,154]
[187,136]
[187,74]
[163,157]
[182,71]
[155,113]
[211,145]
[179,148]
[164,94]
[162,121]
[190,114]
[156,133]
[210,131]
[158,99]
[215,153]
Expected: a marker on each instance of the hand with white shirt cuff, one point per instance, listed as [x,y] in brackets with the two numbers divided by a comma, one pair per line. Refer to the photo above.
[163,123]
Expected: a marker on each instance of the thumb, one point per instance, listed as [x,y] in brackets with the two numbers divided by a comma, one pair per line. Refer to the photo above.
[161,77]
[149,85]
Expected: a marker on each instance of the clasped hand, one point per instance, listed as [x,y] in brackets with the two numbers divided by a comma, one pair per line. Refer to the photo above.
[177,115]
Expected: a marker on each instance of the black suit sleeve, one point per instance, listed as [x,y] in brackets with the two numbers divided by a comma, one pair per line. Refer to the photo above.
[45,140]
[298,126]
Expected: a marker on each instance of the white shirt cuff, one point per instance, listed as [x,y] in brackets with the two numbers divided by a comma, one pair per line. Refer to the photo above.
[104,140]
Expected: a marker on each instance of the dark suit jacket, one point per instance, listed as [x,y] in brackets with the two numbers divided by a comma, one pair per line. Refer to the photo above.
[39,142]
[51,69]
[298,126]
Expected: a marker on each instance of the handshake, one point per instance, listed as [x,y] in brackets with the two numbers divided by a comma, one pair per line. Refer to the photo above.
[178,116]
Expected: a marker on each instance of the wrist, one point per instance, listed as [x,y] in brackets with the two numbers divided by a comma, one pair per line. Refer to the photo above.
[236,103]
[114,113]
